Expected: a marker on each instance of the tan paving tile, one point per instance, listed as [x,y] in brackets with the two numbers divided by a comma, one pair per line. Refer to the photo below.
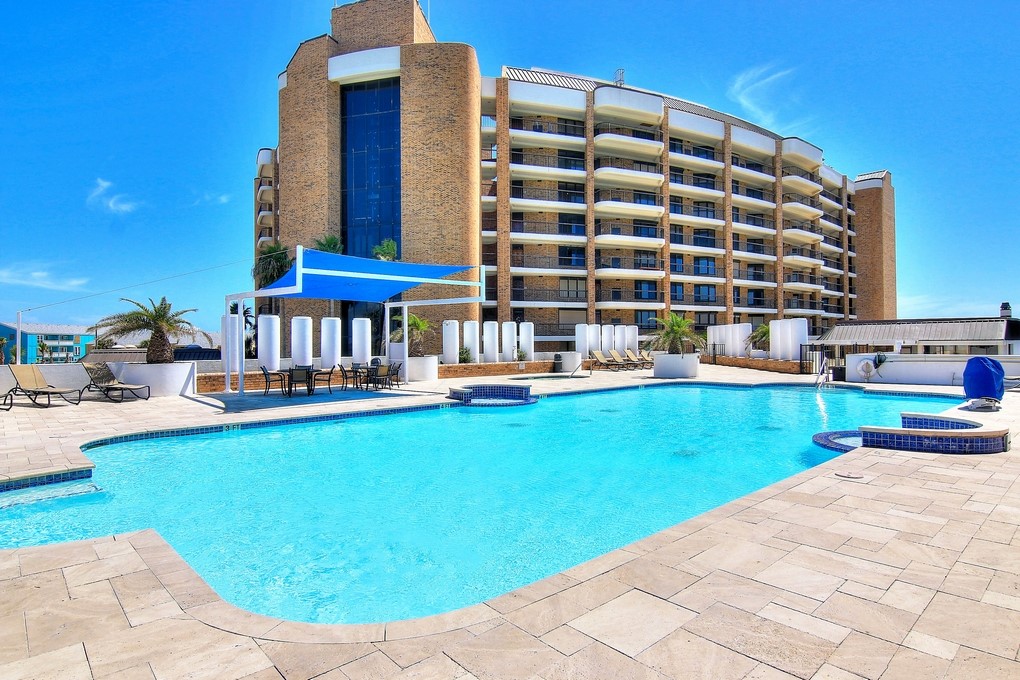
[737,557]
[863,655]
[907,596]
[13,638]
[632,622]
[45,558]
[142,672]
[543,616]
[785,648]
[797,579]
[100,570]
[910,664]
[844,566]
[931,645]
[66,663]
[410,651]
[599,662]
[139,589]
[374,666]
[531,593]
[868,617]
[684,655]
[595,592]
[505,652]
[973,624]
[28,592]
[93,611]
[566,640]
[720,586]
[828,672]
[652,577]
[992,555]
[971,664]
[297,660]
[804,622]
[438,667]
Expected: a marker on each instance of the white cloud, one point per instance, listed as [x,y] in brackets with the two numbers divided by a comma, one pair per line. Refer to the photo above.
[210,197]
[33,275]
[757,91]
[101,197]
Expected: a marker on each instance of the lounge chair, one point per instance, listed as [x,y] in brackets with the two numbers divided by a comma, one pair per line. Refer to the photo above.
[644,363]
[33,385]
[102,379]
[8,401]
[647,356]
[602,362]
[274,376]
[627,363]
[323,376]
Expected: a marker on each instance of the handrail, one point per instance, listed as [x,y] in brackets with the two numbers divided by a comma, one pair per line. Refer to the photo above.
[823,373]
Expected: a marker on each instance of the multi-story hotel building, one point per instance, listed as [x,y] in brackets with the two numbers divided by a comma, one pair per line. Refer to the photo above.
[586,200]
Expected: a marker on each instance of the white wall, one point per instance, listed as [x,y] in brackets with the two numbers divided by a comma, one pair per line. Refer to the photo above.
[922,369]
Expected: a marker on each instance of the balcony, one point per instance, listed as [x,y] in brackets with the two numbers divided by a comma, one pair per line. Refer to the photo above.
[801,180]
[832,308]
[832,264]
[754,251]
[715,302]
[801,281]
[753,224]
[534,132]
[696,243]
[540,199]
[748,169]
[548,297]
[624,298]
[808,257]
[802,305]
[832,221]
[832,199]
[799,205]
[266,235]
[696,215]
[264,194]
[627,140]
[265,218]
[628,203]
[554,331]
[754,197]
[755,276]
[626,172]
[618,267]
[546,166]
[832,287]
[266,167]
[754,302]
[696,186]
[698,274]
[625,235]
[535,231]
[831,243]
[691,155]
[798,231]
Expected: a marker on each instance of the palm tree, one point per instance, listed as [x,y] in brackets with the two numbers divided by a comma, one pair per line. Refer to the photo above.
[42,348]
[676,332]
[329,243]
[249,318]
[418,331]
[271,263]
[758,339]
[160,320]
[3,346]
[387,250]
[250,336]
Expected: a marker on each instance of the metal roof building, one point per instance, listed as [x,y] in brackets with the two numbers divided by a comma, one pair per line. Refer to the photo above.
[998,334]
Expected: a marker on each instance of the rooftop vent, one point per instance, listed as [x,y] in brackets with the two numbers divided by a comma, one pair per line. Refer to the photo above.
[1005,311]
[618,78]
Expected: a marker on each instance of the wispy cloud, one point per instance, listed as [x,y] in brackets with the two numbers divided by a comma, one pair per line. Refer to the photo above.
[213,198]
[925,306]
[102,197]
[34,275]
[763,92]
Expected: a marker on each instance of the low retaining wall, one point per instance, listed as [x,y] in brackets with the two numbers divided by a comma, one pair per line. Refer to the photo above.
[495,368]
[921,369]
[774,365]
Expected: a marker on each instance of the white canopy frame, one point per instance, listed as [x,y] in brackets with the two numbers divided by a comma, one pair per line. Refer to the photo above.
[231,351]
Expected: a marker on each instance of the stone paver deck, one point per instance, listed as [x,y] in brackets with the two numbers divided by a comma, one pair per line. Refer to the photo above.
[912,571]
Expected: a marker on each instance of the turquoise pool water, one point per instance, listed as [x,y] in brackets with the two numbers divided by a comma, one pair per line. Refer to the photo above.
[382,518]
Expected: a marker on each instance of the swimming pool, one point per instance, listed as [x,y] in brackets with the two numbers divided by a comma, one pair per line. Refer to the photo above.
[382,518]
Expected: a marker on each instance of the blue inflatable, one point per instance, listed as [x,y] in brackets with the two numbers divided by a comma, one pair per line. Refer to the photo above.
[983,378]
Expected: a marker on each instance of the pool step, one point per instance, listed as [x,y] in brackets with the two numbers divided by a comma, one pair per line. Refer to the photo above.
[47,492]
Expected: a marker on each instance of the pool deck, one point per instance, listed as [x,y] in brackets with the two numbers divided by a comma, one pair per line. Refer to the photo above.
[911,572]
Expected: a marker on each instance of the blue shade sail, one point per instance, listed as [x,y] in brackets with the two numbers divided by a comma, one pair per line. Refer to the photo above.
[327,276]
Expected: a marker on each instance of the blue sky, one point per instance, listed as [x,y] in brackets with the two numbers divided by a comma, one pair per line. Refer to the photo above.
[131,129]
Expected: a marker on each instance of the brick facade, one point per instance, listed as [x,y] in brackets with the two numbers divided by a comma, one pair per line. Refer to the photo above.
[876,250]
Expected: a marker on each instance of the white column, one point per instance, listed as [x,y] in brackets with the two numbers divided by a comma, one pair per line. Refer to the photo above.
[490,341]
[608,338]
[301,340]
[581,340]
[226,347]
[775,341]
[620,338]
[361,340]
[594,337]
[451,342]
[528,339]
[231,340]
[632,338]
[509,341]
[329,342]
[269,341]
[471,339]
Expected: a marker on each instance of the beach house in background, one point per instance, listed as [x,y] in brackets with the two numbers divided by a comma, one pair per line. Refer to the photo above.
[47,343]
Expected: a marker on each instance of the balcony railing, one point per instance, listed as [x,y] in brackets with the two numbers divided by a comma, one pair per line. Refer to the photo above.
[755,301]
[650,134]
[549,228]
[547,295]
[628,295]
[546,261]
[832,196]
[628,164]
[800,251]
[627,196]
[489,152]
[833,285]
[748,164]
[266,232]
[625,229]
[677,208]
[753,220]
[832,241]
[540,194]
[754,275]
[832,308]
[488,122]
[834,219]
[797,303]
[791,171]
[614,262]
[546,160]
[571,128]
[800,277]
[754,192]
[790,197]
[544,330]
[756,248]
[832,263]
[802,226]
[695,240]
[696,150]
[694,180]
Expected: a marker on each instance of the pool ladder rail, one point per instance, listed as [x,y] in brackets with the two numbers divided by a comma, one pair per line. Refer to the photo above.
[823,373]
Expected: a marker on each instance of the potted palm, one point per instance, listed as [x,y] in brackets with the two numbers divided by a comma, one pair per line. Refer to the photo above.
[675,333]
[757,342]
[163,324]
[419,366]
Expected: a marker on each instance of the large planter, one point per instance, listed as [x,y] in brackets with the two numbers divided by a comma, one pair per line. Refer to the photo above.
[676,365]
[422,368]
[164,380]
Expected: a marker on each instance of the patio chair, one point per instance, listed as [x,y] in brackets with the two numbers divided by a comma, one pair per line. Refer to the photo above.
[274,376]
[300,374]
[629,365]
[382,377]
[643,363]
[323,376]
[102,378]
[602,362]
[33,385]
[348,378]
[395,373]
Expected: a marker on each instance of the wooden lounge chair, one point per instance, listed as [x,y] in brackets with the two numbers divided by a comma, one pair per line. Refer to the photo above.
[274,376]
[602,362]
[642,363]
[33,385]
[103,379]
[627,363]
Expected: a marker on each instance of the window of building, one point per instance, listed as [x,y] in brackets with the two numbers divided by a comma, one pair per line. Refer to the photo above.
[571,256]
[704,238]
[646,259]
[645,319]
[755,272]
[756,245]
[571,224]
[704,180]
[703,320]
[705,266]
[676,145]
[516,222]
[703,151]
[676,263]
[676,205]
[676,233]
[570,192]
[704,293]
[704,209]
[645,198]
[676,175]
[755,297]
[646,228]
[646,290]
[572,289]
[676,292]
[643,134]
[571,160]
[755,192]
